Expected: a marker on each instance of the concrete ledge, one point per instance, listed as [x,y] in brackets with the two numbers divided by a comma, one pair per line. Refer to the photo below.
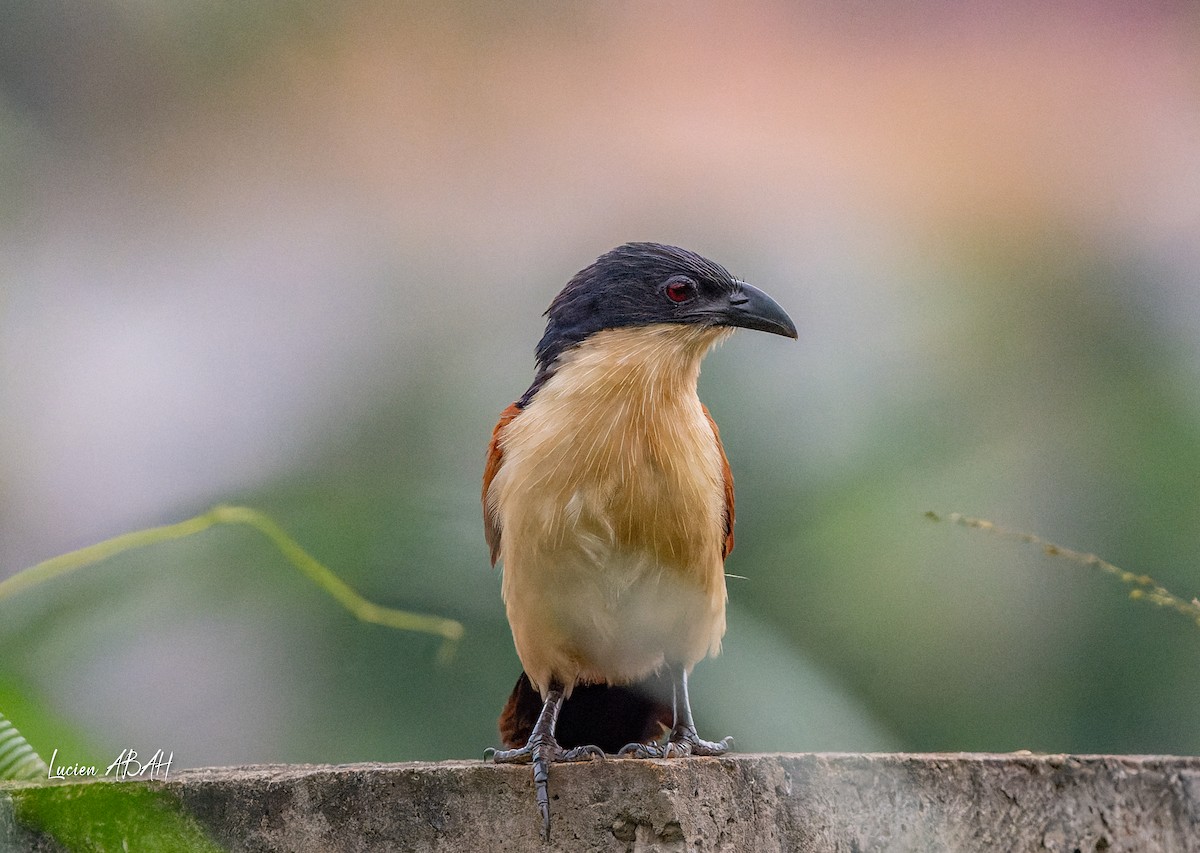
[817,802]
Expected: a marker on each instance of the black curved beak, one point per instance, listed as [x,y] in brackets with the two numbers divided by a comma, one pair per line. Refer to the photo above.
[749,308]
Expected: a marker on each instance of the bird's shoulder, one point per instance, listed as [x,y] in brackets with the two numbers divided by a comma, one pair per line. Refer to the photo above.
[495,458]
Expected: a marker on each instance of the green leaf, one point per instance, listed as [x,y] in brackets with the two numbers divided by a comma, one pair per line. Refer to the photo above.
[18,761]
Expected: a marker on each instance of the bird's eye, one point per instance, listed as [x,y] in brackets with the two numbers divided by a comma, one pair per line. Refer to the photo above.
[680,289]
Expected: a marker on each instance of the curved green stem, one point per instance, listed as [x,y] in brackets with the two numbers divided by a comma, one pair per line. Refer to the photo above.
[449,630]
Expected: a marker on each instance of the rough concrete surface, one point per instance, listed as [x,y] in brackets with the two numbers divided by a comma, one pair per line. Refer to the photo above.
[807,802]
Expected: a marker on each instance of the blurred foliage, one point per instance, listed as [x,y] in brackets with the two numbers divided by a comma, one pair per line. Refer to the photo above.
[987,649]
[87,67]
[100,816]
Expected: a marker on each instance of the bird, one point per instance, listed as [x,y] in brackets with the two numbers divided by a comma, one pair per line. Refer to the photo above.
[608,501]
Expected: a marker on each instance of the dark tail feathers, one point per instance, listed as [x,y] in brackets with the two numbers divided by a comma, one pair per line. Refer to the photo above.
[595,715]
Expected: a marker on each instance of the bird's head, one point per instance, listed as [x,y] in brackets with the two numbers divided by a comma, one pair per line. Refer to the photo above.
[647,284]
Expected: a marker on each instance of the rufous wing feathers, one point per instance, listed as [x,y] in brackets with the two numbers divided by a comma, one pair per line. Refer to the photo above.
[495,457]
[727,546]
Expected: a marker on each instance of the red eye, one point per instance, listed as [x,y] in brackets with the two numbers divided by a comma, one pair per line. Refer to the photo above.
[680,290]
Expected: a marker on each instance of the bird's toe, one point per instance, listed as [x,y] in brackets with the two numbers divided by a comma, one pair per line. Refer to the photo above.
[581,753]
[641,750]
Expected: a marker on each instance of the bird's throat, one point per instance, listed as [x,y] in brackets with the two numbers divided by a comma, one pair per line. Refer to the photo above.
[643,364]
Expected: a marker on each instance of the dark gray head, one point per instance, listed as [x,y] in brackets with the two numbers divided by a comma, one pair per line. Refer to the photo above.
[642,284]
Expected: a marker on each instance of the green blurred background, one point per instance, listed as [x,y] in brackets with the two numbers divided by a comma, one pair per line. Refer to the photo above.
[293,254]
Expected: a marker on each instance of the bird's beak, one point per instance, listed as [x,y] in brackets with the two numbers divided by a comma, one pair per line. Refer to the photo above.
[750,308]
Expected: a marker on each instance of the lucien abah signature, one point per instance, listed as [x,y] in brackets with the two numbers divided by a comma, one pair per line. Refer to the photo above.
[126,766]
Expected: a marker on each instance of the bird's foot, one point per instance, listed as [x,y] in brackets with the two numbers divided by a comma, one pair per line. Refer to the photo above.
[683,742]
[546,749]
[541,752]
[689,743]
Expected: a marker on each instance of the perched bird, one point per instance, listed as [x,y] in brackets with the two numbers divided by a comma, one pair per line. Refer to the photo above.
[608,498]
